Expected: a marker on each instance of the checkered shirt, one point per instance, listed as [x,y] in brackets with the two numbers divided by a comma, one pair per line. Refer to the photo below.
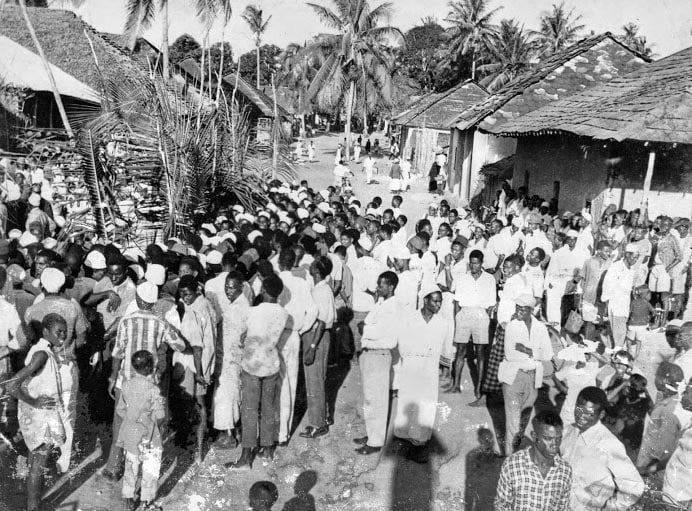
[523,488]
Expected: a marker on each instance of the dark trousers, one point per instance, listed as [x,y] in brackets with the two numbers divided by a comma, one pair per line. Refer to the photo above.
[259,409]
[315,378]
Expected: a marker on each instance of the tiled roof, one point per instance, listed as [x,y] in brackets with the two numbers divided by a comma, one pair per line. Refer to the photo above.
[651,104]
[431,110]
[594,60]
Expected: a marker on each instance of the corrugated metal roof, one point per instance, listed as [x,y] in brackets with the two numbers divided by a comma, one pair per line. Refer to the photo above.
[651,104]
[431,110]
[23,69]
[594,60]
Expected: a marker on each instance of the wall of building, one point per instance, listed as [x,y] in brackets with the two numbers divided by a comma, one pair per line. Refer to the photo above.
[469,151]
[605,173]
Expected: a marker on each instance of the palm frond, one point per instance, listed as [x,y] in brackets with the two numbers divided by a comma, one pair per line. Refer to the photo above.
[327,16]
[140,14]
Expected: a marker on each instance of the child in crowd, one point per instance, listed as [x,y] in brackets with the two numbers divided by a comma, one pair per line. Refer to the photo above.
[142,409]
[578,372]
[263,495]
[626,417]
[664,428]
[641,312]
[613,377]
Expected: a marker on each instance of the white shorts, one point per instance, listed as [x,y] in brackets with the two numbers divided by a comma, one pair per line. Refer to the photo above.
[659,280]
[636,333]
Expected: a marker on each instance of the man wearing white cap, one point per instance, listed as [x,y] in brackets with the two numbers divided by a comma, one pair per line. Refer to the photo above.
[562,278]
[37,215]
[141,329]
[52,282]
[297,299]
[617,290]
[527,345]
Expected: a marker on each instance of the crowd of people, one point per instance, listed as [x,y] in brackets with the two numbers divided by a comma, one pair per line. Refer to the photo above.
[204,335]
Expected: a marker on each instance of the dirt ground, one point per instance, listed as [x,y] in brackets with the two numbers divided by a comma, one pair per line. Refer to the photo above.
[326,473]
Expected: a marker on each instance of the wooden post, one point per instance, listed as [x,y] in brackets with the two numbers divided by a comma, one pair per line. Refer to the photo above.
[275,134]
[647,184]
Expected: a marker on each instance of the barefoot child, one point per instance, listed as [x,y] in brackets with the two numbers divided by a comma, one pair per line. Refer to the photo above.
[142,410]
[38,388]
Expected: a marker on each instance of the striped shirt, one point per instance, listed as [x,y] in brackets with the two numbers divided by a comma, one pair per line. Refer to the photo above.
[143,330]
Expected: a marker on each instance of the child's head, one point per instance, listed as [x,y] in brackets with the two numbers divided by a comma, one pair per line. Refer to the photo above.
[642,292]
[54,329]
[637,384]
[622,362]
[263,495]
[668,377]
[143,362]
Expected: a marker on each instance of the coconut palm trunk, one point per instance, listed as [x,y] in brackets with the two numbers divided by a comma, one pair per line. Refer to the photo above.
[349,113]
[49,72]
[258,62]
[164,38]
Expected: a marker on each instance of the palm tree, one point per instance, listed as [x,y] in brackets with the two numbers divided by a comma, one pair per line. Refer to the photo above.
[510,53]
[141,13]
[297,68]
[258,25]
[359,43]
[631,38]
[471,29]
[558,29]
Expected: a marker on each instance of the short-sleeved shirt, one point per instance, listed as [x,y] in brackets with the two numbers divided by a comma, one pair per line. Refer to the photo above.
[265,324]
[126,291]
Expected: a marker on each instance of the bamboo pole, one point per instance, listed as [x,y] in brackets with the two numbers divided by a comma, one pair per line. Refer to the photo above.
[49,72]
[275,152]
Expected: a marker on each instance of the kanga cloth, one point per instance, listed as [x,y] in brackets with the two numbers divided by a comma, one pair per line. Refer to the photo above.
[419,346]
[497,355]
[39,425]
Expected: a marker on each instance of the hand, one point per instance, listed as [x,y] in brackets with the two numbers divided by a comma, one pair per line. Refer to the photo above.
[524,349]
[361,326]
[113,301]
[111,388]
[45,402]
[200,380]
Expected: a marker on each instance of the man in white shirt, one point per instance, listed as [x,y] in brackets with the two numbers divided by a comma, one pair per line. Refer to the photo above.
[527,345]
[617,290]
[536,237]
[500,245]
[561,279]
[474,299]
[368,168]
[603,475]
[297,299]
[379,337]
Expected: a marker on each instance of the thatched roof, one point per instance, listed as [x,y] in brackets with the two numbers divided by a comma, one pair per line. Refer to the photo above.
[651,104]
[594,60]
[258,98]
[431,110]
[23,69]
[62,36]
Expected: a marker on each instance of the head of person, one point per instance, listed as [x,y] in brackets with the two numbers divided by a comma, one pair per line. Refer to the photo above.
[432,209]
[117,269]
[512,265]
[287,259]
[638,233]
[188,289]
[476,262]
[54,329]
[668,377]
[143,362]
[547,433]
[263,495]
[686,398]
[188,266]
[233,287]
[666,225]
[631,254]
[557,239]
[495,227]
[459,247]
[396,201]
[535,256]
[683,227]
[590,407]
[272,286]
[524,307]
[622,361]
[432,301]
[604,250]
[320,268]
[571,239]
[44,259]
[347,238]
[386,284]
[673,334]
[425,226]
[444,231]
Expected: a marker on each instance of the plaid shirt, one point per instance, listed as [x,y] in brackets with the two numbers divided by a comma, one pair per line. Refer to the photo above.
[143,330]
[523,488]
